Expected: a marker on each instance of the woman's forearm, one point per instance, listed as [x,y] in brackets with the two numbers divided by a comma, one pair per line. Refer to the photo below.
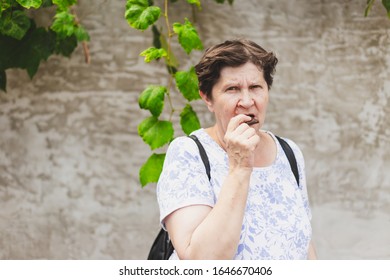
[218,235]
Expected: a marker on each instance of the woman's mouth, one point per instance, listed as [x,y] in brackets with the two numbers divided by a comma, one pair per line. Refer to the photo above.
[253,120]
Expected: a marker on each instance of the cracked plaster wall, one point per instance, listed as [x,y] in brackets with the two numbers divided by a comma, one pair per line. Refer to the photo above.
[70,153]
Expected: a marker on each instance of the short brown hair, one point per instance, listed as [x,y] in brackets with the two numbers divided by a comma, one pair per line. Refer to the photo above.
[233,53]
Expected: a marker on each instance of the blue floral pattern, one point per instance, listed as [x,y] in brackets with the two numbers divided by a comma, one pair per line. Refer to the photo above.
[276,223]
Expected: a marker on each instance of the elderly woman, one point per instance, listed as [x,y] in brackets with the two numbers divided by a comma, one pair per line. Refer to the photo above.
[252,207]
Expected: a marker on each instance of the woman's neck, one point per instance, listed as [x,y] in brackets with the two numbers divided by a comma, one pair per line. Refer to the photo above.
[216,135]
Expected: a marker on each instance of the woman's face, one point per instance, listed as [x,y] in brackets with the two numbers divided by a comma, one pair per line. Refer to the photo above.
[239,90]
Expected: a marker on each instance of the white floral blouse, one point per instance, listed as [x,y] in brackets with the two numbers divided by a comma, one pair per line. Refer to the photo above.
[276,223]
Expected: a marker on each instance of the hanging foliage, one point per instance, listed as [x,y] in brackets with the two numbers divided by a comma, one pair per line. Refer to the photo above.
[25,46]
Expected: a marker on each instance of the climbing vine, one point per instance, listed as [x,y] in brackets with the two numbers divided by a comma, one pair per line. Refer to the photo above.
[25,45]
[182,83]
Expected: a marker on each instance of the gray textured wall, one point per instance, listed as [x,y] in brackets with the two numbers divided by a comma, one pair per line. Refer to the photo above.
[70,153]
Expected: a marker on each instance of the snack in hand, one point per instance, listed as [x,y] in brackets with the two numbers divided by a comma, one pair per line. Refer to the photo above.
[253,120]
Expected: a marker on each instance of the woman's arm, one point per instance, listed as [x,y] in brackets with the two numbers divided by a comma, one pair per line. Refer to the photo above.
[202,232]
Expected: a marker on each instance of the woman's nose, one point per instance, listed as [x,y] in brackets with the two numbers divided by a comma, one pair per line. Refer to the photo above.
[246,99]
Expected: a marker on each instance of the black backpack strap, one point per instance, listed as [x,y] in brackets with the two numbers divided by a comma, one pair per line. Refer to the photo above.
[290,156]
[203,155]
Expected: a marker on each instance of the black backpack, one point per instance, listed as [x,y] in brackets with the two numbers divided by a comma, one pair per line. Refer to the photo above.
[162,247]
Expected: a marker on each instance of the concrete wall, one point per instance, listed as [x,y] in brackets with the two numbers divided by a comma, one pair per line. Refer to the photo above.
[70,153]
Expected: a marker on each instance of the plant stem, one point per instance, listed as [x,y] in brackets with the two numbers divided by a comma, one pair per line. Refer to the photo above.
[168,60]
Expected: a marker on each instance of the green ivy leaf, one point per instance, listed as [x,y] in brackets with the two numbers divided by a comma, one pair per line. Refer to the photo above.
[41,46]
[37,45]
[152,99]
[156,37]
[14,24]
[188,36]
[189,120]
[194,2]
[64,24]
[9,52]
[155,133]
[4,5]
[65,46]
[64,4]
[140,15]
[3,81]
[386,4]
[81,34]
[30,3]
[153,53]
[151,170]
[187,83]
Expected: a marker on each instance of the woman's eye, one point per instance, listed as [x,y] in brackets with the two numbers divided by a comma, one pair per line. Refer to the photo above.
[232,89]
[255,87]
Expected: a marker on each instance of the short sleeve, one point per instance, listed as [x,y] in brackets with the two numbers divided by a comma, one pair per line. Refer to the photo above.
[183,180]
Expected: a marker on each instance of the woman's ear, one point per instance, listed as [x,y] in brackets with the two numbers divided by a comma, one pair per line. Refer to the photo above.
[207,100]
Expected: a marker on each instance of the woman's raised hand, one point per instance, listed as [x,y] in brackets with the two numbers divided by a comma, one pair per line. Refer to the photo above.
[241,141]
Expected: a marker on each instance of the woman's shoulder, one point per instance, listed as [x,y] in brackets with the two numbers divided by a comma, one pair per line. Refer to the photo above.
[184,143]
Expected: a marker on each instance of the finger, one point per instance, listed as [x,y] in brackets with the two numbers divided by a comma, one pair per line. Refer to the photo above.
[241,129]
[240,137]
[236,121]
[254,140]
[248,137]
[248,131]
